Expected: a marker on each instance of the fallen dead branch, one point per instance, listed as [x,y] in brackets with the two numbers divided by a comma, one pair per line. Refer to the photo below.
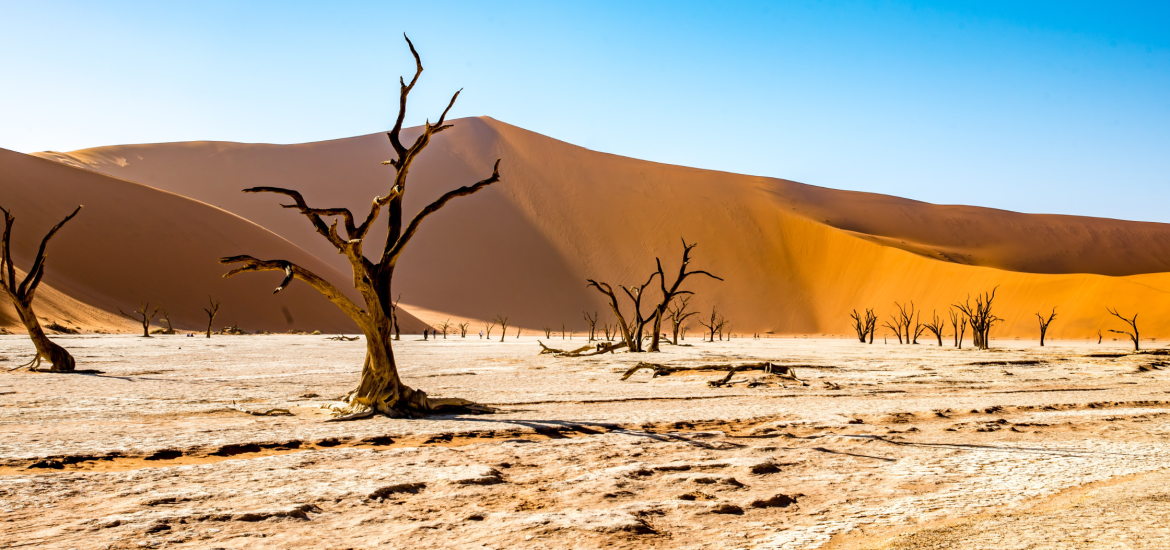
[782,371]
[344,338]
[269,412]
[583,351]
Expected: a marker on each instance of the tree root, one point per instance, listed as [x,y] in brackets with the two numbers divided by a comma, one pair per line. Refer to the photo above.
[410,403]
[269,412]
[782,371]
[583,351]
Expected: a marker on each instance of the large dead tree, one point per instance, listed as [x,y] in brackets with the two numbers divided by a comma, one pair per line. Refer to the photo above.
[980,317]
[445,327]
[143,315]
[211,309]
[167,319]
[1135,336]
[380,389]
[22,293]
[895,325]
[632,332]
[463,329]
[1044,325]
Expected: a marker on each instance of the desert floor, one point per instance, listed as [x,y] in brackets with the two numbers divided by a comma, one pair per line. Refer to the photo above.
[887,446]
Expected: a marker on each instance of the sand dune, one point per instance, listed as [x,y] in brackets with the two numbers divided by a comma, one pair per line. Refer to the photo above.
[133,243]
[796,258]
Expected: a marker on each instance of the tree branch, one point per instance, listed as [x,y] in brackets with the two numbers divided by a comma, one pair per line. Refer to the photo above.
[292,271]
[390,257]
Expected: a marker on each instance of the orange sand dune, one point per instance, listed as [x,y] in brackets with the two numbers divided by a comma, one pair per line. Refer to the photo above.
[796,258]
[133,243]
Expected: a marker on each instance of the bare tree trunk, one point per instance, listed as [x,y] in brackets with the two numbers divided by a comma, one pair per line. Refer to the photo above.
[211,310]
[503,321]
[1044,325]
[1134,336]
[144,316]
[592,322]
[22,294]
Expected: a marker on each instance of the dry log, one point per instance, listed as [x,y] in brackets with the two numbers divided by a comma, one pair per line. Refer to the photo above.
[269,412]
[783,371]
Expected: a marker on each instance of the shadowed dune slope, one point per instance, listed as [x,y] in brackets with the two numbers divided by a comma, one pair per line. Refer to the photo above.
[796,258]
[133,243]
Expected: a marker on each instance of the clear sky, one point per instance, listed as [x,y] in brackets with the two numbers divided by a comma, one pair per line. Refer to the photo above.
[1054,107]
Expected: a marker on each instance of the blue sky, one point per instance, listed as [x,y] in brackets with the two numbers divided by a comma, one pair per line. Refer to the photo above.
[1053,107]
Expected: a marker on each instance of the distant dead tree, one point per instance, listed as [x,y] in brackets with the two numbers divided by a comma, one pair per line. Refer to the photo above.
[936,326]
[678,314]
[167,318]
[592,322]
[919,328]
[518,333]
[980,318]
[503,321]
[562,331]
[144,315]
[712,325]
[895,324]
[380,389]
[212,309]
[1044,324]
[487,328]
[444,327]
[864,326]
[632,331]
[959,324]
[463,329]
[608,331]
[1099,337]
[547,331]
[22,293]
[1135,336]
[394,318]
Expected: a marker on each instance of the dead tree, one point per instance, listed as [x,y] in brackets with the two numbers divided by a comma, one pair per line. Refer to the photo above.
[22,293]
[1099,337]
[592,322]
[518,329]
[671,290]
[678,314]
[167,318]
[463,329]
[632,331]
[1135,335]
[959,324]
[712,325]
[144,316]
[211,309]
[394,318]
[444,327]
[895,324]
[919,328]
[547,331]
[1044,324]
[487,327]
[503,321]
[380,389]
[980,318]
[562,331]
[864,326]
[936,326]
[608,331]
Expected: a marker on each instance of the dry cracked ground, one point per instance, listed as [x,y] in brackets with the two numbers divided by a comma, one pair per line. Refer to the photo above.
[884,446]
